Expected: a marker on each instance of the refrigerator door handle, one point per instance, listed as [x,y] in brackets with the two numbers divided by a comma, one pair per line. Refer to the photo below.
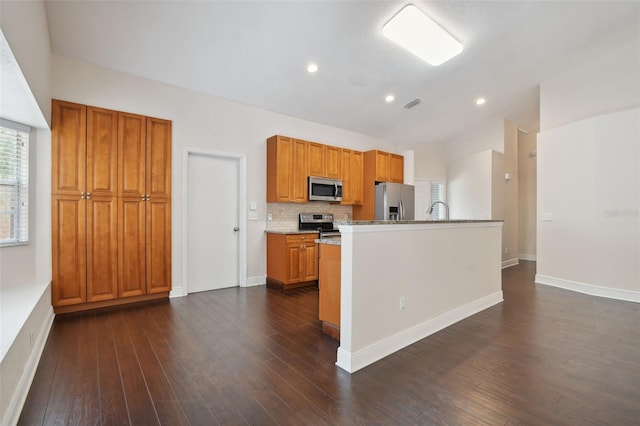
[401,204]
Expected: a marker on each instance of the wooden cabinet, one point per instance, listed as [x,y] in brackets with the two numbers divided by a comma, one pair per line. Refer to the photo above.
[329,289]
[292,260]
[379,166]
[107,166]
[324,160]
[396,168]
[351,177]
[333,162]
[286,170]
[388,167]
[84,207]
[144,263]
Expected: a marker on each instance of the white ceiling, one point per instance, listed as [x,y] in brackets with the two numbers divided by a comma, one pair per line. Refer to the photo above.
[256,53]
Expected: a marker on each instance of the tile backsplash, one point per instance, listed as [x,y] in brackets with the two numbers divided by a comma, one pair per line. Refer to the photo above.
[285,215]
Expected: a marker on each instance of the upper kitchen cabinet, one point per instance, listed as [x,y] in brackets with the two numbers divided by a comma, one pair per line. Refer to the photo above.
[324,160]
[352,169]
[379,166]
[396,168]
[388,167]
[286,170]
[69,148]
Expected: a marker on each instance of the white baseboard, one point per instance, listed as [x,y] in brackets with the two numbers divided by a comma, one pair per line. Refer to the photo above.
[254,281]
[524,256]
[510,262]
[22,389]
[352,362]
[177,292]
[611,293]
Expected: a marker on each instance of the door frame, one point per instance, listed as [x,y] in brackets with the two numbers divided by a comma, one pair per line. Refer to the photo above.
[242,208]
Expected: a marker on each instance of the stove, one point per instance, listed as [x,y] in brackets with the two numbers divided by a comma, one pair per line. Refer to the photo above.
[321,222]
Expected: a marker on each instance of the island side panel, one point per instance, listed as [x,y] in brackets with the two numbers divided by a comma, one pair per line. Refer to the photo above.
[444,272]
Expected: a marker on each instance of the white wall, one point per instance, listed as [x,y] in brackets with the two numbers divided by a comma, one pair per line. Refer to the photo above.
[203,122]
[588,176]
[527,200]
[601,85]
[510,194]
[429,160]
[24,25]
[25,271]
[589,180]
[489,136]
[469,186]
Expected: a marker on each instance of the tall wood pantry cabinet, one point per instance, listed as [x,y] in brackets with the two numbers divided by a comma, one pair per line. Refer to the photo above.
[111,207]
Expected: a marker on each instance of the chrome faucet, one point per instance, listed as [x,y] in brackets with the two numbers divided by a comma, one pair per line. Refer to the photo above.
[446,208]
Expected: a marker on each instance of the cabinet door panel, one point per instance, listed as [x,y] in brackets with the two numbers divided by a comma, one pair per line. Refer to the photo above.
[132,132]
[295,263]
[396,164]
[347,197]
[102,248]
[382,171]
[131,247]
[279,168]
[158,244]
[68,254]
[68,148]
[158,158]
[102,152]
[333,162]
[315,158]
[357,176]
[299,171]
[311,262]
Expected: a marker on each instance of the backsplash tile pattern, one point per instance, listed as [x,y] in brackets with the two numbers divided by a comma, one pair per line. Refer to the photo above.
[285,215]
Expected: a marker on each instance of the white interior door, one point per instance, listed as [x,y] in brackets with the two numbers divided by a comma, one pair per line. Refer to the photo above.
[212,222]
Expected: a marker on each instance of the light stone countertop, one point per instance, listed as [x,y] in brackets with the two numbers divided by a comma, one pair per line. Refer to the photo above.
[411,222]
[294,231]
[335,241]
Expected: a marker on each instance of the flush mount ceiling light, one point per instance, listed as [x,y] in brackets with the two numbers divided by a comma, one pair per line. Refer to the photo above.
[481,101]
[311,68]
[389,98]
[416,32]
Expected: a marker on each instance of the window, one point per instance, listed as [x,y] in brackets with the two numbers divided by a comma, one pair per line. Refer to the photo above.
[14,183]
[438,193]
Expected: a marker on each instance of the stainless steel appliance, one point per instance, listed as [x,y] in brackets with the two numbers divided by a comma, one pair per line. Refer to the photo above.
[321,222]
[394,201]
[323,189]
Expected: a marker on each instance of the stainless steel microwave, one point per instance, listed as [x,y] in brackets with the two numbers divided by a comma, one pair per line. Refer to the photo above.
[323,189]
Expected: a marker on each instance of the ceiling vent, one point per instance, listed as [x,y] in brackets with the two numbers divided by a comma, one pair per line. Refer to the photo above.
[413,103]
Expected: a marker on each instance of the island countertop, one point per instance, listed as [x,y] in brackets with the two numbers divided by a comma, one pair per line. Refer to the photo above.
[412,222]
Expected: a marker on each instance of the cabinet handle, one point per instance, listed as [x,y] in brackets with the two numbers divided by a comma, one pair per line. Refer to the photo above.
[82,196]
[148,197]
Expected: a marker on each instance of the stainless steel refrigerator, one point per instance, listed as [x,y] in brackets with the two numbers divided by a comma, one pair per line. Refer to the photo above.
[395,201]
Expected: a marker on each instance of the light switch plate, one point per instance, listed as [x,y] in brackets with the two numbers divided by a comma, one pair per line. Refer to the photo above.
[547,217]
[253,215]
[253,206]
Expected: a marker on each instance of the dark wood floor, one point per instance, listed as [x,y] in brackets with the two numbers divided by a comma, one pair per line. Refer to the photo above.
[257,356]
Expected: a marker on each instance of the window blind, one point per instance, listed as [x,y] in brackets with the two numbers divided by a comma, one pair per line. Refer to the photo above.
[14,183]
[437,194]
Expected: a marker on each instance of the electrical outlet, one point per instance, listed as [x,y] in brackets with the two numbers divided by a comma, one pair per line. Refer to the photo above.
[269,217]
[403,303]
[506,250]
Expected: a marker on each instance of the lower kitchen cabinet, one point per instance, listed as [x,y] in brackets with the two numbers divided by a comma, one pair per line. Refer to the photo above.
[292,260]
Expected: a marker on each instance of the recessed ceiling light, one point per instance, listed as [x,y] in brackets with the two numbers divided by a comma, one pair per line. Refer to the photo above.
[420,35]
[481,101]
[312,68]
[389,98]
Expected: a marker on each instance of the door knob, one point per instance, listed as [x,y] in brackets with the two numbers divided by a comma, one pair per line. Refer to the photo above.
[236,229]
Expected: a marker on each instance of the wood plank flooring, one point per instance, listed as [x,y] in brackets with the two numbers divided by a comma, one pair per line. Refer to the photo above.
[257,356]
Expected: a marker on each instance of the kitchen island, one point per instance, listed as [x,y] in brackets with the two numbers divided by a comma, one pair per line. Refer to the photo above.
[404,280]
